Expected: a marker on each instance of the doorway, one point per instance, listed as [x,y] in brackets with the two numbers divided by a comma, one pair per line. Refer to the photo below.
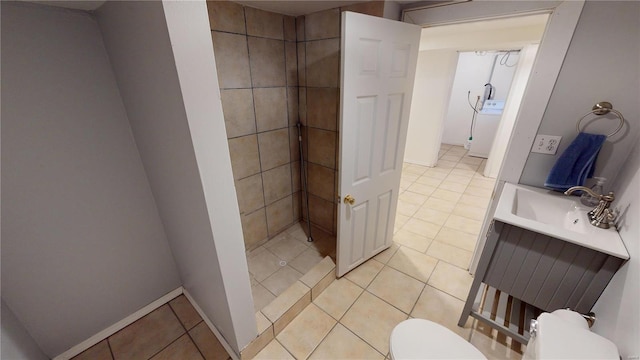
[446,186]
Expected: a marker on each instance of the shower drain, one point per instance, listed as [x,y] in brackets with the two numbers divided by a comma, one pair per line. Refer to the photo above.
[283,263]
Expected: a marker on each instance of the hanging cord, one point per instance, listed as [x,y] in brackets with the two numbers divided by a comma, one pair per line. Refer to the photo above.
[475,113]
[505,59]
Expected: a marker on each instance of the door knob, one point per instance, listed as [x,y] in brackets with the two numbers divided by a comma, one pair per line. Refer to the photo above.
[349,200]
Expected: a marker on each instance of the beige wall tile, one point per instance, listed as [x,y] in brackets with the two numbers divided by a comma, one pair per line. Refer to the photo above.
[254,227]
[321,212]
[323,63]
[322,108]
[302,110]
[274,148]
[147,336]
[100,351]
[264,23]
[306,331]
[302,64]
[297,209]
[183,348]
[250,194]
[343,344]
[322,146]
[207,343]
[373,320]
[187,315]
[271,108]
[295,175]
[323,25]
[396,288]
[239,116]
[294,143]
[277,183]
[232,60]
[279,215]
[373,8]
[291,63]
[292,105]
[300,28]
[245,160]
[321,181]
[267,62]
[290,28]
[226,16]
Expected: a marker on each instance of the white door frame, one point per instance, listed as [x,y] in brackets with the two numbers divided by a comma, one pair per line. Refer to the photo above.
[553,48]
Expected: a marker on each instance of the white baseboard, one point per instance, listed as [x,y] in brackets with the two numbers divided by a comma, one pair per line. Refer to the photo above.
[77,349]
[215,331]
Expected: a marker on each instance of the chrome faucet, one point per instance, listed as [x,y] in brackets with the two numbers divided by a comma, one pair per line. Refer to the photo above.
[601,216]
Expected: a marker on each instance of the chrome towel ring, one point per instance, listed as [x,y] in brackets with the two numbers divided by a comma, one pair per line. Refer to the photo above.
[602,108]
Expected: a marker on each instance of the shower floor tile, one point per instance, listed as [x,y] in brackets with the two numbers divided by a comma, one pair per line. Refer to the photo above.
[283,260]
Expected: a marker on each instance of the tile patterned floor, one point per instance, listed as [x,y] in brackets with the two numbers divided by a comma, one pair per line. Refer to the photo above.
[282,261]
[173,331]
[423,275]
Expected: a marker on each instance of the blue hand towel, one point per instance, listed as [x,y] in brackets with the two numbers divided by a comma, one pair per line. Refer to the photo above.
[576,163]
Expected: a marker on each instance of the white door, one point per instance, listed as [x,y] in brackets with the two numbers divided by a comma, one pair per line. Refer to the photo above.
[378,68]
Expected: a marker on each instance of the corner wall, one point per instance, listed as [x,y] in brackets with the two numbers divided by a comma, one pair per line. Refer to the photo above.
[617,310]
[615,26]
[83,245]
[163,59]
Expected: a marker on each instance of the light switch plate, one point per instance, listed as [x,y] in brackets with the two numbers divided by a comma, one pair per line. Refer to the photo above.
[546,144]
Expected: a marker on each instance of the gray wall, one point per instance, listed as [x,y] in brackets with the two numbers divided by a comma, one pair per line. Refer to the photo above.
[83,245]
[602,64]
[617,309]
[174,131]
[16,341]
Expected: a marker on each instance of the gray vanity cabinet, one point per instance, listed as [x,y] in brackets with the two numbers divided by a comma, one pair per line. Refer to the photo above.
[539,270]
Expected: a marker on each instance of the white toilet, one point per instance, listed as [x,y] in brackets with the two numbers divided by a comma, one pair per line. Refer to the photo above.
[563,334]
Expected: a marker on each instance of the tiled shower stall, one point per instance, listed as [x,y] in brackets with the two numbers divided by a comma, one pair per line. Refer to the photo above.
[275,70]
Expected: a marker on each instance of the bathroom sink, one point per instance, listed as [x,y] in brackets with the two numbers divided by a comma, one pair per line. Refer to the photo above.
[557,215]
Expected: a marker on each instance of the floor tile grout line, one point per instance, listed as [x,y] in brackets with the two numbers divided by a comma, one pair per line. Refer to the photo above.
[185,329]
[349,308]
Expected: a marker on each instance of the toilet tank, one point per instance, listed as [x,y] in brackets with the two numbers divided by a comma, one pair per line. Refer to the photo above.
[564,334]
